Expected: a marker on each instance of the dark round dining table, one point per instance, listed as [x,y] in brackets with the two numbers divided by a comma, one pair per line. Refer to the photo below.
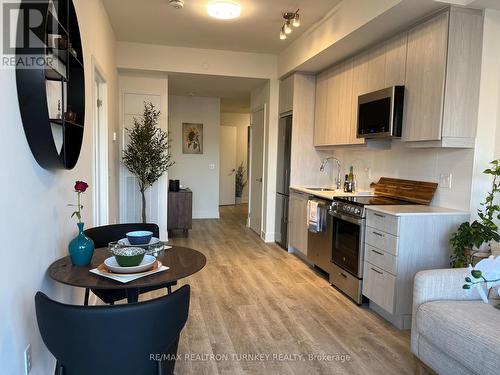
[182,262]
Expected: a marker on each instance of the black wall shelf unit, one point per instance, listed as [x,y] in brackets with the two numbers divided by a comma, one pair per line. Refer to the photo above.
[52,95]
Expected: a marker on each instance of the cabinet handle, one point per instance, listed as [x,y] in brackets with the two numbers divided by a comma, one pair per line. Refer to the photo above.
[378,234]
[378,252]
[377,271]
[379,215]
[343,275]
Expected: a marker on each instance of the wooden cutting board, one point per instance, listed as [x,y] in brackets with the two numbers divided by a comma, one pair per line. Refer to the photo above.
[412,191]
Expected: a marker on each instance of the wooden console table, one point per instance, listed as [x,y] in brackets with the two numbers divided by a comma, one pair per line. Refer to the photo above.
[180,211]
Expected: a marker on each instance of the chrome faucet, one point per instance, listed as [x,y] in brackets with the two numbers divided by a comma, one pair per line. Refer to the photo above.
[324,162]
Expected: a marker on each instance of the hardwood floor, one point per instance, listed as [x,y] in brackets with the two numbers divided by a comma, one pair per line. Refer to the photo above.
[256,299]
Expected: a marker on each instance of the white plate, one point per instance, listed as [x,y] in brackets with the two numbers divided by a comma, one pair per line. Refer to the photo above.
[125,242]
[113,265]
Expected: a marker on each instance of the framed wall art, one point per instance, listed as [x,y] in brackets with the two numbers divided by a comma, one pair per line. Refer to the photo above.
[192,138]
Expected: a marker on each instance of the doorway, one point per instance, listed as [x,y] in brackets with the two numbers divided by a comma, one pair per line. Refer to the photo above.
[256,169]
[227,178]
[101,172]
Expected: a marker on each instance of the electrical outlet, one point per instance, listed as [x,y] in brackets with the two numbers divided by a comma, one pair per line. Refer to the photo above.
[445,180]
[27,360]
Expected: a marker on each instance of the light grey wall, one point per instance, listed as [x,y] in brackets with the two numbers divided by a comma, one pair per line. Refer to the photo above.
[34,212]
[193,170]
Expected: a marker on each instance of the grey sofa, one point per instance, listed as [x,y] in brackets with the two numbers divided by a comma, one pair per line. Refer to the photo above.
[453,330]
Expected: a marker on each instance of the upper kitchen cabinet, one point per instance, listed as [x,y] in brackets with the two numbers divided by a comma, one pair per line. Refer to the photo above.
[286,94]
[375,69]
[332,124]
[442,80]
[338,88]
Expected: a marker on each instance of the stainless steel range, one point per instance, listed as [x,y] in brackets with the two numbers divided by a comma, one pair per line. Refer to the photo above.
[348,242]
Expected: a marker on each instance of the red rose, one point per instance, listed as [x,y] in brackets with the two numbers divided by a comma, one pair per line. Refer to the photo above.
[81,186]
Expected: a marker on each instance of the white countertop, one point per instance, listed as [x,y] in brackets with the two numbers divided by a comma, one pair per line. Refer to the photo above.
[395,210]
[415,209]
[330,194]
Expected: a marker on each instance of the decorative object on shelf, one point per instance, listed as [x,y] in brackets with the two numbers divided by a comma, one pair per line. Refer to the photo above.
[485,275]
[72,51]
[174,185]
[81,248]
[69,115]
[470,237]
[147,155]
[62,43]
[291,19]
[46,89]
[240,182]
[192,138]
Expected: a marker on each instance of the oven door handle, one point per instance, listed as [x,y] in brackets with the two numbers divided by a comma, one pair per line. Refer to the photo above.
[350,219]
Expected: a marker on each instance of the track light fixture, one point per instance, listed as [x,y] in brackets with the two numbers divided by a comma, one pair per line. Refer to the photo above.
[282,33]
[291,19]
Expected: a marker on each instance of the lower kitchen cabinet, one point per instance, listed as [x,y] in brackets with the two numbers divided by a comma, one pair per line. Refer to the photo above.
[399,245]
[297,221]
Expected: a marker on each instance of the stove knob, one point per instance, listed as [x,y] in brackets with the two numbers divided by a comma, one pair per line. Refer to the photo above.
[351,209]
[357,211]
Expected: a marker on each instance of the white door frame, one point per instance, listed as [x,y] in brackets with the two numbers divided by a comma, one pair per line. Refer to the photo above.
[100,145]
[250,177]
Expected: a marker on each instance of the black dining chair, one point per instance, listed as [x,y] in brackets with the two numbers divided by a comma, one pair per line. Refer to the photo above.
[134,339]
[105,234]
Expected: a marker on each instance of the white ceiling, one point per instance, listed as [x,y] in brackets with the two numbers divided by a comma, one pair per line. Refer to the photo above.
[256,30]
[233,91]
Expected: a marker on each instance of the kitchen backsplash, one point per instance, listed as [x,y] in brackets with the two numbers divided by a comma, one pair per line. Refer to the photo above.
[414,164]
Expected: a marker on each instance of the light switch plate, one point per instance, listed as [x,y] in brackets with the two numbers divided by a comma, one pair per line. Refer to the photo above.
[211,166]
[445,180]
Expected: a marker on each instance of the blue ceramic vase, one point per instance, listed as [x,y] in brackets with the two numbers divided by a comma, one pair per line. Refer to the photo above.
[81,248]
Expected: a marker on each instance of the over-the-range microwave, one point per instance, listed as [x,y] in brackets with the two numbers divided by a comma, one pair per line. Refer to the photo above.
[380,113]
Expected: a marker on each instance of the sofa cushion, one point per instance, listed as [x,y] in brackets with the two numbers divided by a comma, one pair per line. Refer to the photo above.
[468,331]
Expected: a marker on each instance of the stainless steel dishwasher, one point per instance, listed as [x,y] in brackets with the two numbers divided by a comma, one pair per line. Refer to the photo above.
[319,244]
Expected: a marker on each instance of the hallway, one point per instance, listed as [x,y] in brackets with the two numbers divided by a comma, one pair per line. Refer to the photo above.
[254,299]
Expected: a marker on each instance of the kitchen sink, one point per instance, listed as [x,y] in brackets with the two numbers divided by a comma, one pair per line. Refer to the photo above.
[320,189]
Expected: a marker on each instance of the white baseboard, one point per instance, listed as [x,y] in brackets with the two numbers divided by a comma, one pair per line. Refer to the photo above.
[268,237]
[206,214]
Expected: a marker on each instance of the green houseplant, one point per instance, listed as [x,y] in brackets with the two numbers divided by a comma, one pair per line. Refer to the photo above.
[147,155]
[472,235]
[240,181]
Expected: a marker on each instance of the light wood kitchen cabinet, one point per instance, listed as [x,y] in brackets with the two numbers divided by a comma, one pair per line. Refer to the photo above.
[396,248]
[333,98]
[320,117]
[442,80]
[286,94]
[375,69]
[338,88]
[395,60]
[297,221]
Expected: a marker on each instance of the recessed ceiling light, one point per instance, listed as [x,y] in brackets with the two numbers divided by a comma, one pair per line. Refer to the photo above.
[224,9]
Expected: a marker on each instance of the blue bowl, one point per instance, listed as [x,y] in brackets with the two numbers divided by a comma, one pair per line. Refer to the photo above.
[139,237]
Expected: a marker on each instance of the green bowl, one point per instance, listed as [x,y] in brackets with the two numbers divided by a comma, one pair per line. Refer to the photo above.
[129,256]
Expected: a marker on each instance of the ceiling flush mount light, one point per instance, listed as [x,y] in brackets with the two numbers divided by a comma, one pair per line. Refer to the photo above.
[224,9]
[291,19]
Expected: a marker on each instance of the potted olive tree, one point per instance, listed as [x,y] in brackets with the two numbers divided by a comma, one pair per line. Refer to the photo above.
[469,237]
[147,155]
[240,182]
